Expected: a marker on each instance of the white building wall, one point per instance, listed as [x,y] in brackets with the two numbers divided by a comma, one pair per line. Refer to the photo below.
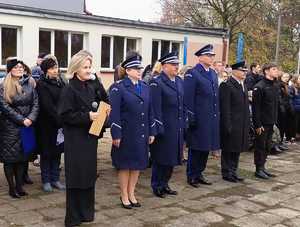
[29,43]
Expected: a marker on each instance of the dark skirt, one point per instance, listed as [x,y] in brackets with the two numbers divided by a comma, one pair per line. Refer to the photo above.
[80,206]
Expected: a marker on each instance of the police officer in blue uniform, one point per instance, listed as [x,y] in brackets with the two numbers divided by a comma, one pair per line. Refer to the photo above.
[167,100]
[202,101]
[132,127]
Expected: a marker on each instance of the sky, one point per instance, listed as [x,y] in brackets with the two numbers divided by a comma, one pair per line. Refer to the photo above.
[144,10]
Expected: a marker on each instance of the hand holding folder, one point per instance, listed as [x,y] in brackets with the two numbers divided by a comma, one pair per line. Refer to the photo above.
[97,124]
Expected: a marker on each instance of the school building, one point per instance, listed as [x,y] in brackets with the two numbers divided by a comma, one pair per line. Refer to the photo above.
[62,29]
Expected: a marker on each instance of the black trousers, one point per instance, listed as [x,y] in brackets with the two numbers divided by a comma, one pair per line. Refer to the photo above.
[229,163]
[161,174]
[80,206]
[282,124]
[196,164]
[291,125]
[263,146]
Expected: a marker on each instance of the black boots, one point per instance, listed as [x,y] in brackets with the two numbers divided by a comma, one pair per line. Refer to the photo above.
[14,170]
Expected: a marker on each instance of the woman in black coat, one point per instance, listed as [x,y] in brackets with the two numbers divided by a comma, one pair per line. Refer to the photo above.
[19,108]
[76,109]
[49,127]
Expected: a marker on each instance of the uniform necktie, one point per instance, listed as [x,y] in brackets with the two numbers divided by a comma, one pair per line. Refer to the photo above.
[138,88]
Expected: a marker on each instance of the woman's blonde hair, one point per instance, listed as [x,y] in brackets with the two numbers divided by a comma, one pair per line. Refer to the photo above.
[156,68]
[11,85]
[121,72]
[77,61]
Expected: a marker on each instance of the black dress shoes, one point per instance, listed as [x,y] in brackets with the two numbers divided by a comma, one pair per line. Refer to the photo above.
[268,173]
[275,150]
[137,204]
[194,183]
[14,194]
[159,193]
[125,206]
[283,147]
[22,193]
[238,178]
[202,180]
[261,174]
[169,191]
[230,179]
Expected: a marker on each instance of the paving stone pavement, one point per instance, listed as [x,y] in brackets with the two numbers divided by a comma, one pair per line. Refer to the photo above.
[256,203]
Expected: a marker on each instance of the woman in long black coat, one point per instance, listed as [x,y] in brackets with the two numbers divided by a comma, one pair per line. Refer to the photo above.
[19,108]
[234,112]
[76,112]
[49,127]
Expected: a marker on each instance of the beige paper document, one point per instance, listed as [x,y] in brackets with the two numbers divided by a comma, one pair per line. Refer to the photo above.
[98,123]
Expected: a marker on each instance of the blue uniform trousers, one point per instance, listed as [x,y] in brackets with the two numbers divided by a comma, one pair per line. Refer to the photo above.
[196,163]
[161,174]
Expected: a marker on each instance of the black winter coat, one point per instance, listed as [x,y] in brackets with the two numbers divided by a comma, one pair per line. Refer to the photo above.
[251,80]
[23,106]
[80,147]
[235,120]
[48,122]
[265,103]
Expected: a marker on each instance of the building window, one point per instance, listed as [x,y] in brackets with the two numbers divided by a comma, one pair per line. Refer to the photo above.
[76,43]
[61,48]
[131,45]
[118,50]
[114,49]
[8,43]
[105,52]
[63,44]
[175,47]
[155,45]
[163,47]
[45,42]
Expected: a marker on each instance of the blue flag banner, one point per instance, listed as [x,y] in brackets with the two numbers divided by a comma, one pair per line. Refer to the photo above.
[240,48]
[185,46]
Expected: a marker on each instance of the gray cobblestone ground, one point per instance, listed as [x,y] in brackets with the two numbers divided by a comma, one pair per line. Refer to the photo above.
[254,203]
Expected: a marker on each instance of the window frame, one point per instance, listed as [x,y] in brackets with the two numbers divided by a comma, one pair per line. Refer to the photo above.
[170,47]
[52,44]
[111,57]
[18,49]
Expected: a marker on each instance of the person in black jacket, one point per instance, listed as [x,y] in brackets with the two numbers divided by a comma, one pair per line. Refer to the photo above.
[253,77]
[265,113]
[285,108]
[77,112]
[50,134]
[19,108]
[235,121]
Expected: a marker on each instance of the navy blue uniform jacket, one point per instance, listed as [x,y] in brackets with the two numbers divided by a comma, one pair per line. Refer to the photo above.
[132,121]
[201,98]
[169,114]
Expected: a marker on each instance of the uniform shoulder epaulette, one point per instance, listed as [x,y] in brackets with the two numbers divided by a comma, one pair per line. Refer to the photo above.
[188,75]
[119,81]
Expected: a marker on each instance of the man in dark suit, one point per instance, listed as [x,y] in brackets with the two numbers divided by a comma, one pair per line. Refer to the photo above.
[234,121]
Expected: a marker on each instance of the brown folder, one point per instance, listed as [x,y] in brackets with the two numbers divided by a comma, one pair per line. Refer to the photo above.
[97,124]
